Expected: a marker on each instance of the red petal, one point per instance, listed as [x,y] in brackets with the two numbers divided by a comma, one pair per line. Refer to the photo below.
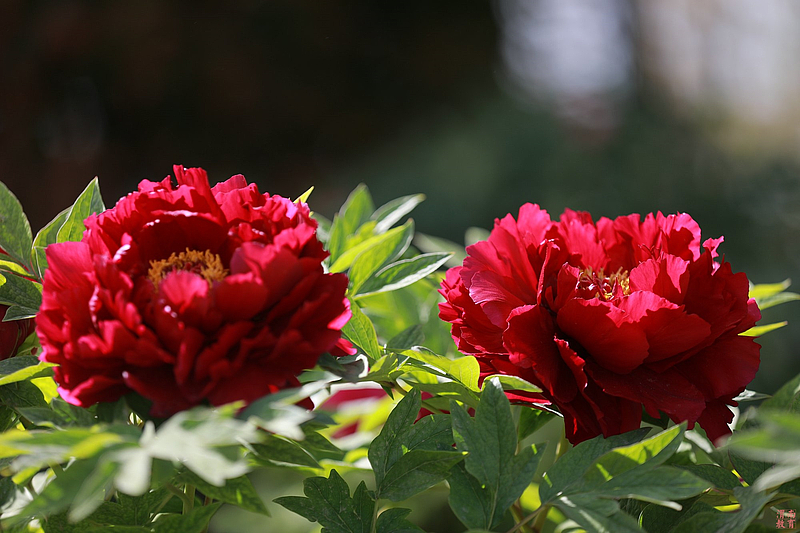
[604,332]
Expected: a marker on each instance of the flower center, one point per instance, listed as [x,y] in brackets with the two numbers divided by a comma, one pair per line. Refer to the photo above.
[206,264]
[596,284]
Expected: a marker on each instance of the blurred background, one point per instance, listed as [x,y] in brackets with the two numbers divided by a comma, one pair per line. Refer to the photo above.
[610,106]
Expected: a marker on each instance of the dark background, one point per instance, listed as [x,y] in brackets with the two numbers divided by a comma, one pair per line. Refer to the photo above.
[610,106]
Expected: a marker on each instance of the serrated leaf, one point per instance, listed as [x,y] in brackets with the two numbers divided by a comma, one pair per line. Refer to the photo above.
[403,273]
[360,331]
[387,447]
[416,471]
[15,290]
[490,439]
[237,491]
[195,521]
[46,236]
[389,246]
[328,502]
[569,469]
[88,202]
[15,230]
[391,212]
[394,521]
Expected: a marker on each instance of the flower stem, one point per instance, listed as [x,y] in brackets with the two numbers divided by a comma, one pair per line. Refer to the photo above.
[180,494]
[521,523]
[188,503]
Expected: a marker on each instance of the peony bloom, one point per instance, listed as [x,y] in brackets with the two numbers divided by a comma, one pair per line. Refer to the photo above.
[607,318]
[190,294]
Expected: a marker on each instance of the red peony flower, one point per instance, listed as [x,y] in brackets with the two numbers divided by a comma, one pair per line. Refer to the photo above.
[12,334]
[190,294]
[607,318]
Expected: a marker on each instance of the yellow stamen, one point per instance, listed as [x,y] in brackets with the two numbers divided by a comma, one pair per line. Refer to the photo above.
[605,287]
[207,264]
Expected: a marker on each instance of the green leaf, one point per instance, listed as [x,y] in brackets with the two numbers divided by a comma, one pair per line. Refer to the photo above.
[360,331]
[93,490]
[403,273]
[46,236]
[389,247]
[531,420]
[59,494]
[391,212]
[195,521]
[569,469]
[757,331]
[387,448]
[138,510]
[396,238]
[394,521]
[596,516]
[465,369]
[11,266]
[88,202]
[411,336]
[662,485]
[356,210]
[765,290]
[718,476]
[470,500]
[658,519]
[491,441]
[432,432]
[751,502]
[23,368]
[514,383]
[778,299]
[15,290]
[18,312]
[416,471]
[429,244]
[277,450]
[22,394]
[787,398]
[328,502]
[653,451]
[303,198]
[15,230]
[238,491]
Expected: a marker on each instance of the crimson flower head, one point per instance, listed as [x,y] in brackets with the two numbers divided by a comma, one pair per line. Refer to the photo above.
[190,294]
[607,318]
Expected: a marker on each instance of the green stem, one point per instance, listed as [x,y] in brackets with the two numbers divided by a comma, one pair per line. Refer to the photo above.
[521,523]
[163,503]
[188,504]
[374,527]
[180,494]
